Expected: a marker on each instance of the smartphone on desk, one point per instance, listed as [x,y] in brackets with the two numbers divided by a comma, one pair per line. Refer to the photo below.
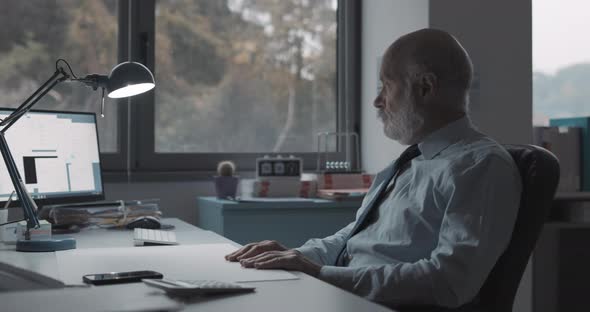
[120,277]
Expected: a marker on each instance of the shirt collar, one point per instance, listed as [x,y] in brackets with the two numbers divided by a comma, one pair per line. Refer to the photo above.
[440,139]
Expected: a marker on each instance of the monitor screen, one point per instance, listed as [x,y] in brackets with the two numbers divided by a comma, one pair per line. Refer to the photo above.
[57,156]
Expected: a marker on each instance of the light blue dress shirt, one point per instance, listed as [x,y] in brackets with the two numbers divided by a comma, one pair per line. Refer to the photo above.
[434,238]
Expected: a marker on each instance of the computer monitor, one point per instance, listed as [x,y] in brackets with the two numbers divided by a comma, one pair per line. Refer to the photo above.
[57,156]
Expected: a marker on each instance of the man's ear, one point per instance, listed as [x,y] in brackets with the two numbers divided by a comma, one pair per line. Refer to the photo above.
[428,84]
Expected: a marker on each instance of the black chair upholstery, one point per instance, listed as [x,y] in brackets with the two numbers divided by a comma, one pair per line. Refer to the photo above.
[539,171]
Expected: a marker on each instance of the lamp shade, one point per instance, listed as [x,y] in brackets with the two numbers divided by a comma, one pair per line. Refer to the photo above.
[128,79]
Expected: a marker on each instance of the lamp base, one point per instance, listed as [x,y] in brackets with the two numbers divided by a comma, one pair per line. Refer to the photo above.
[46,245]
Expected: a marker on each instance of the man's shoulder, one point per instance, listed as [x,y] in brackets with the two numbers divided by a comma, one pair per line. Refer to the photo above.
[479,151]
[480,165]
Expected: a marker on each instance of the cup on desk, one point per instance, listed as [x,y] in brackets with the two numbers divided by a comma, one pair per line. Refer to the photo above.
[226,186]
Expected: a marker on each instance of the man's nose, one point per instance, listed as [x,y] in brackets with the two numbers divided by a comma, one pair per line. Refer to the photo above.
[378,102]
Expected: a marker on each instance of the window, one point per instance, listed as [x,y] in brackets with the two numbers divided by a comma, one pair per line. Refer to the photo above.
[561,60]
[244,76]
[238,79]
[35,33]
[235,79]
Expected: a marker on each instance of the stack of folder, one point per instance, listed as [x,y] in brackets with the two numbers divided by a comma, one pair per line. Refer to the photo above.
[344,186]
[103,214]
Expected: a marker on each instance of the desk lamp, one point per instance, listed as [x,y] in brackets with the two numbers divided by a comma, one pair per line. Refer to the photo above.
[125,80]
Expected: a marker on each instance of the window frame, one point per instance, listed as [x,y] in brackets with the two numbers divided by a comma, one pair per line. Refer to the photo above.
[117,161]
[137,156]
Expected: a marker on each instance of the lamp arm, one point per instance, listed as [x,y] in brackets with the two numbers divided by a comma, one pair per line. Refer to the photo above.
[27,202]
[94,81]
[56,78]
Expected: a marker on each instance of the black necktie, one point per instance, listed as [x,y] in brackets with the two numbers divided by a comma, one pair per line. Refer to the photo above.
[410,153]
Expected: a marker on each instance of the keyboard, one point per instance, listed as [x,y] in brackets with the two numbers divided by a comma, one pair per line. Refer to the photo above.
[196,288]
[147,237]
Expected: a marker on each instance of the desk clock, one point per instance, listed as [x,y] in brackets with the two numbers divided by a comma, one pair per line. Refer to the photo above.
[278,167]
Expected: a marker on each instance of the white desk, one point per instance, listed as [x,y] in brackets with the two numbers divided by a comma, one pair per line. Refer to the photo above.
[304,294]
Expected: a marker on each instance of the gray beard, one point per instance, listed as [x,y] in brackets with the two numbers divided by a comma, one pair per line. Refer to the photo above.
[403,125]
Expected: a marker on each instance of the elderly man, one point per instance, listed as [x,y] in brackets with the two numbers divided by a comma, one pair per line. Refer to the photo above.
[436,220]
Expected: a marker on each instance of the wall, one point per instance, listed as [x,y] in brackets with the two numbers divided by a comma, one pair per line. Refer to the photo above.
[501,53]
[383,21]
[498,36]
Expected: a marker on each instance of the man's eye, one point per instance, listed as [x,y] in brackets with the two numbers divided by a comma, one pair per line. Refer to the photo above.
[379,86]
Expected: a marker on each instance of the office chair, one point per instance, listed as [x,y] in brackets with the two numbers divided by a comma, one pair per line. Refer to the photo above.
[539,171]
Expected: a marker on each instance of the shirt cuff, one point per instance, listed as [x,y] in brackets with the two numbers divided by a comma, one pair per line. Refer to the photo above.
[310,253]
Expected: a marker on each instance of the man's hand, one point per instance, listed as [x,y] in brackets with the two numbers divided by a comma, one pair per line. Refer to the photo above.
[272,255]
[254,249]
[287,259]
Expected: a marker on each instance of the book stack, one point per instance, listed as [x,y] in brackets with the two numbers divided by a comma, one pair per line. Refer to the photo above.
[344,186]
[284,188]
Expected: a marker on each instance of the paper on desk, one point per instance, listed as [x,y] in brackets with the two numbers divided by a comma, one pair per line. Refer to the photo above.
[190,262]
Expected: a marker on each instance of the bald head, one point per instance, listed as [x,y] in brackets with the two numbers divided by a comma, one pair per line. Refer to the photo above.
[431,52]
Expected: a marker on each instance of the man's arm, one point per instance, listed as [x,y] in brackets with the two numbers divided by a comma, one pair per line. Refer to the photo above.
[325,250]
[320,251]
[481,206]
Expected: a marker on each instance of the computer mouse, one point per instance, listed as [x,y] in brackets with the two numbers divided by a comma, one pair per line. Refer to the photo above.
[145,222]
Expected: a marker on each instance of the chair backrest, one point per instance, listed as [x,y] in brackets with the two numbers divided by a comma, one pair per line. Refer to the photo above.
[539,170]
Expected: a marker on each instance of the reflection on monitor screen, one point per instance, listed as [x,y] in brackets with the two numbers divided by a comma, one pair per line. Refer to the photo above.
[57,156]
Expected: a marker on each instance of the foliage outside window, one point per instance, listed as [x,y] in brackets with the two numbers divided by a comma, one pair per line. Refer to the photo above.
[244,76]
[561,60]
[35,33]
